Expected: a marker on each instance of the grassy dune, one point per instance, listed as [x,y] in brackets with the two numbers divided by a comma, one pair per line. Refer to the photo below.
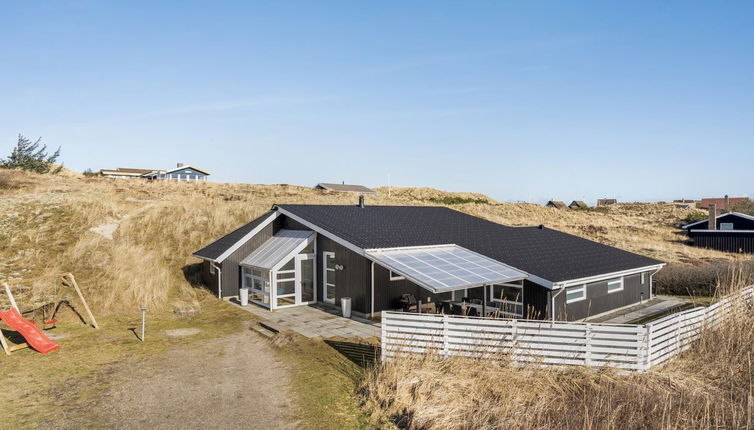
[45,227]
[46,221]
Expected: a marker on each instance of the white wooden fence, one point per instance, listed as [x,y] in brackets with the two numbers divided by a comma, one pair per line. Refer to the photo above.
[623,346]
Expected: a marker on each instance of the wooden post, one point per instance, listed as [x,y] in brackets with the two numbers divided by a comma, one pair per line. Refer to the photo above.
[648,345]
[383,326]
[10,296]
[484,301]
[4,343]
[588,345]
[445,336]
[83,301]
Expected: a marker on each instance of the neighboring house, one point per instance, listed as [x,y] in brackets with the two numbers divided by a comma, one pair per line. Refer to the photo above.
[723,204]
[606,202]
[682,206]
[729,232]
[578,204]
[180,173]
[300,254]
[557,204]
[345,188]
[123,173]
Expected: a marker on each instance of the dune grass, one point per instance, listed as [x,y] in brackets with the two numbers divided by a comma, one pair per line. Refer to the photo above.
[709,386]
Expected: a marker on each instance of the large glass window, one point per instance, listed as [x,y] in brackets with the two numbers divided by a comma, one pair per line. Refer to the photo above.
[509,298]
[259,284]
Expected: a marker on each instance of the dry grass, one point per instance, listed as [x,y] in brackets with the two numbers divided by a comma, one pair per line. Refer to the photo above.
[710,386]
[46,221]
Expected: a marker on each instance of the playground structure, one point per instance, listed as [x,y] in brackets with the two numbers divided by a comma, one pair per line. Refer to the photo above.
[42,297]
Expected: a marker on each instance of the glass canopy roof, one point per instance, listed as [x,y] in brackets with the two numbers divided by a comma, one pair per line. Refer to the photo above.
[277,248]
[446,267]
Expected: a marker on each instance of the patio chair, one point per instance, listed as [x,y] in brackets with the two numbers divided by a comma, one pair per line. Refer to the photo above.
[408,301]
[457,309]
[447,308]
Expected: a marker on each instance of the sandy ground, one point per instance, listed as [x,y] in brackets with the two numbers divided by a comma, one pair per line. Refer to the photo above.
[234,382]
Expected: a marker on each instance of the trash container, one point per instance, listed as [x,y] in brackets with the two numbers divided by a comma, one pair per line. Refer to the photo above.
[244,297]
[345,307]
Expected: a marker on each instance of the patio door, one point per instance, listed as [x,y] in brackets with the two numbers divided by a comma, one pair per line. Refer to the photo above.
[305,279]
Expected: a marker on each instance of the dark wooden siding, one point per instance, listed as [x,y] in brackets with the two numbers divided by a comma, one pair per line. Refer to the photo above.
[536,301]
[231,276]
[209,279]
[598,300]
[739,223]
[724,240]
[352,281]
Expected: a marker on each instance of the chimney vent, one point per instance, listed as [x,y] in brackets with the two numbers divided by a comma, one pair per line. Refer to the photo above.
[712,223]
[727,203]
[361,201]
[179,165]
[541,227]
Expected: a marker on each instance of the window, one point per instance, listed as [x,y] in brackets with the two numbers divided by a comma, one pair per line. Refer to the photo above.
[726,226]
[614,285]
[576,293]
[509,298]
[643,278]
[396,276]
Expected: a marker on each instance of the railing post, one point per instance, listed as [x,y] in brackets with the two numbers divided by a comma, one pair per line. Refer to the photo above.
[383,338]
[514,339]
[648,346]
[588,352]
[445,335]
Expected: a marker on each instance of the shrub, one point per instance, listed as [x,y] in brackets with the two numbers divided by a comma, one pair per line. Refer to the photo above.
[701,279]
[695,217]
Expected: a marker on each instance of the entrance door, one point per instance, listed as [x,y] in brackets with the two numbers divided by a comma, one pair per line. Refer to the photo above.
[328,272]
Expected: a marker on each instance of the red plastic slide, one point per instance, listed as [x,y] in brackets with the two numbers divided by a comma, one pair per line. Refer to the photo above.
[33,335]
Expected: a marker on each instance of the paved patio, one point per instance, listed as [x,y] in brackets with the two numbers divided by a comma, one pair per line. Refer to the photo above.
[315,321]
[657,305]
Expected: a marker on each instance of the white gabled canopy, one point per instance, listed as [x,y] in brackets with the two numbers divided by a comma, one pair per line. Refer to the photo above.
[445,268]
[278,249]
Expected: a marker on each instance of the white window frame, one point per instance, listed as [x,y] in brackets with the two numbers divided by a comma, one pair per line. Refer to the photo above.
[726,226]
[396,277]
[614,281]
[325,277]
[581,288]
[516,305]
[643,278]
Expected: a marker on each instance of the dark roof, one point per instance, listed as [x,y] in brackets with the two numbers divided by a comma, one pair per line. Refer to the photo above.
[350,188]
[216,248]
[578,204]
[721,218]
[543,252]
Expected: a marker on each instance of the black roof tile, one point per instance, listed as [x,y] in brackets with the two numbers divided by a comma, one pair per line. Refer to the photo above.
[543,252]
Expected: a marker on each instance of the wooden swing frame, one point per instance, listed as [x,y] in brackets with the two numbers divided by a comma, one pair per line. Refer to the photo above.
[68,281]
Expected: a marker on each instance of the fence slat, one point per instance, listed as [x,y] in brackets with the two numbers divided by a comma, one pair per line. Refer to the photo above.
[622,346]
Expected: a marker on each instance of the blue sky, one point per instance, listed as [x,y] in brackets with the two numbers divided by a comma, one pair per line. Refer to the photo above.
[519,100]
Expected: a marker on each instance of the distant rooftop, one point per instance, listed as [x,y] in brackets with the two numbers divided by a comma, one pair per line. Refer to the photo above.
[347,188]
